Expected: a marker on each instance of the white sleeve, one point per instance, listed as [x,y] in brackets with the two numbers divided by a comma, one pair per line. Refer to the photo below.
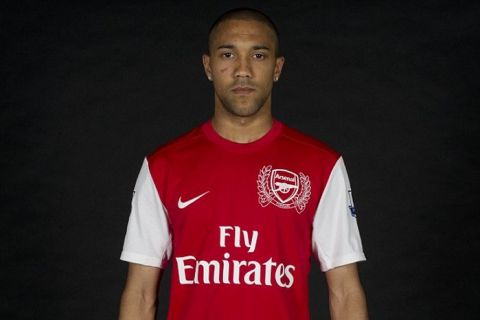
[148,238]
[335,236]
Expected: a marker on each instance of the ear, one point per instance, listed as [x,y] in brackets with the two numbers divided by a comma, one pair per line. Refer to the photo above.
[206,66]
[278,68]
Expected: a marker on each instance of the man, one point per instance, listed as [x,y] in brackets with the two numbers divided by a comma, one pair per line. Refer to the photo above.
[240,204]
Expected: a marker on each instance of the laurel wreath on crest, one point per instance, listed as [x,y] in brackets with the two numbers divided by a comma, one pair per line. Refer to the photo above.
[265,194]
[302,199]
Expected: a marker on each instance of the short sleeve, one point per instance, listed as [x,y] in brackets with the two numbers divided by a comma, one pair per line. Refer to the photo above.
[335,236]
[148,238]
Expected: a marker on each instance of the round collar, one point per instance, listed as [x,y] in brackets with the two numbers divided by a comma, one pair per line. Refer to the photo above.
[268,137]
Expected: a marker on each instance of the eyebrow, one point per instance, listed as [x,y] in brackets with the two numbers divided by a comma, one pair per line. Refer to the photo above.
[231,46]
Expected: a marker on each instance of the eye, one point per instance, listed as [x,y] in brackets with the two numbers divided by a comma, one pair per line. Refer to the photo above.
[259,56]
[227,55]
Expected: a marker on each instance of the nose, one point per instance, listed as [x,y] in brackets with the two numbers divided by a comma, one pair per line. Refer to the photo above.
[243,68]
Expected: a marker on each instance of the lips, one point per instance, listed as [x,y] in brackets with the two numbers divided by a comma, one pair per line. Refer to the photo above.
[242,90]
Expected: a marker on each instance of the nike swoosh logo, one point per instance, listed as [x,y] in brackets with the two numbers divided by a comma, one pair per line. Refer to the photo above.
[181,204]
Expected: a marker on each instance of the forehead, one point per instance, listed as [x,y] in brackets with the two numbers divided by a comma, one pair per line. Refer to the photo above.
[243,30]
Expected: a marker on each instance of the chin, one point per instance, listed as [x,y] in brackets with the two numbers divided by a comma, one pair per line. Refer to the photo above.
[244,112]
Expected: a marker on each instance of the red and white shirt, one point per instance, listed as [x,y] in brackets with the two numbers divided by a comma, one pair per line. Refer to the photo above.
[239,222]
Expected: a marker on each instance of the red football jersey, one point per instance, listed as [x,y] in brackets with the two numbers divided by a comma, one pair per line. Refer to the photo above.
[239,222]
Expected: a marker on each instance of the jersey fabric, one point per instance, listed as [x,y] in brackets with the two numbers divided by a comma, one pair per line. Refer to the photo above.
[240,222]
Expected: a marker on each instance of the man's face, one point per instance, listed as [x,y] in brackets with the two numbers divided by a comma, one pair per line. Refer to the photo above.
[243,66]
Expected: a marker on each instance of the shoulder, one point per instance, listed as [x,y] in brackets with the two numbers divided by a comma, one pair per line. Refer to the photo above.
[187,141]
[308,145]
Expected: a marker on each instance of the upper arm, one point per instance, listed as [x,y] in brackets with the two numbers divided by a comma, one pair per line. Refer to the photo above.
[139,298]
[148,238]
[143,280]
[346,296]
[342,280]
[335,236]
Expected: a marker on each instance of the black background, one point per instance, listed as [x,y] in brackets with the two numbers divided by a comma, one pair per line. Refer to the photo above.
[89,88]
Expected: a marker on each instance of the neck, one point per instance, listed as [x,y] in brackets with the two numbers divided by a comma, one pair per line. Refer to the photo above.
[242,129]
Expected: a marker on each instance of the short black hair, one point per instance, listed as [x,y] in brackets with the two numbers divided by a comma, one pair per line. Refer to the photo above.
[246,14]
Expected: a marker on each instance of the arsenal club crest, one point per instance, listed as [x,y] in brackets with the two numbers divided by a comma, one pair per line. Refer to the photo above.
[283,188]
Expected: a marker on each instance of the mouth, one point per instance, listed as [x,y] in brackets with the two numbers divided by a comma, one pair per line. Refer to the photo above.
[242,90]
